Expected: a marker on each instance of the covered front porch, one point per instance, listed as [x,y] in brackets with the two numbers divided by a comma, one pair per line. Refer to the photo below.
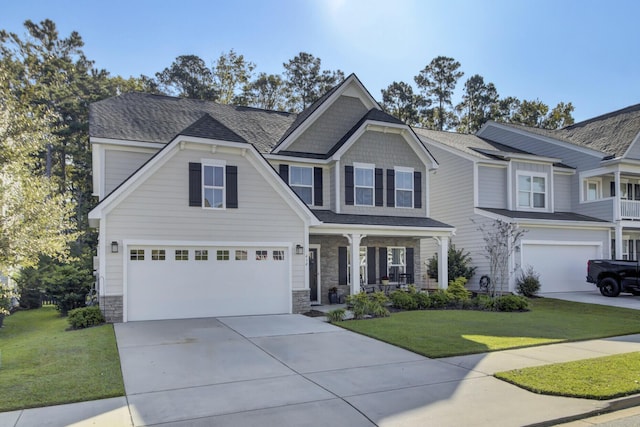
[380,253]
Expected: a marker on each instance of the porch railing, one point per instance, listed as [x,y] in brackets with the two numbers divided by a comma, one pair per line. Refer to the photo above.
[630,209]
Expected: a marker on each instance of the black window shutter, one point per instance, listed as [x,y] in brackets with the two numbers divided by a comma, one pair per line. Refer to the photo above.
[231,177]
[284,172]
[417,190]
[629,191]
[348,185]
[317,186]
[342,265]
[382,265]
[613,188]
[379,187]
[195,184]
[636,191]
[391,188]
[371,265]
[409,267]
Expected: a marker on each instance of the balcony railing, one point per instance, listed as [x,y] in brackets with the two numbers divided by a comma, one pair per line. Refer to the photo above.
[630,209]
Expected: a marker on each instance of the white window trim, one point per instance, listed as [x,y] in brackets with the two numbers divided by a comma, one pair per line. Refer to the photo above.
[389,257]
[585,189]
[546,191]
[368,166]
[303,185]
[215,163]
[403,169]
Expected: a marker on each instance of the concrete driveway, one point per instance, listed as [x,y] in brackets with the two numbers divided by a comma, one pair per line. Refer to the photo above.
[594,297]
[292,370]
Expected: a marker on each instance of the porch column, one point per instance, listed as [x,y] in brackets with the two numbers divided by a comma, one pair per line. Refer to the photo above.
[618,215]
[443,262]
[354,243]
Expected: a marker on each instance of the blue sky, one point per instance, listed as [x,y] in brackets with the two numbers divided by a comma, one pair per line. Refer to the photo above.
[583,51]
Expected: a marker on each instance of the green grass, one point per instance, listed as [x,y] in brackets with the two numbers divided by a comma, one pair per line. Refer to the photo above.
[41,364]
[601,378]
[442,333]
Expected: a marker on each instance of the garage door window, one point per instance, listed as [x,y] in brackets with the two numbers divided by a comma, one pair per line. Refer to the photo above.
[182,255]
[261,255]
[222,255]
[137,254]
[278,255]
[202,255]
[241,255]
[158,254]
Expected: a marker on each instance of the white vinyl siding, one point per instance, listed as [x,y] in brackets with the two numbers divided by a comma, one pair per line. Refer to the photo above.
[492,187]
[119,165]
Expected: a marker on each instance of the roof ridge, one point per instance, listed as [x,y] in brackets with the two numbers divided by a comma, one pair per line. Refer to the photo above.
[631,108]
[202,128]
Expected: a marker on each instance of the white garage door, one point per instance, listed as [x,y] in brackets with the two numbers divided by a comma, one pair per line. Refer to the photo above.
[562,266]
[175,282]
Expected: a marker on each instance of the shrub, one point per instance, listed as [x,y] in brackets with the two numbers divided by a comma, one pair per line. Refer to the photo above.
[528,283]
[403,300]
[510,303]
[368,305]
[69,285]
[457,291]
[336,315]
[440,299]
[85,317]
[484,302]
[459,264]
[29,281]
[422,299]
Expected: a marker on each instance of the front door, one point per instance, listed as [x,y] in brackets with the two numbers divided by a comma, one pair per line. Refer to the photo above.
[313,274]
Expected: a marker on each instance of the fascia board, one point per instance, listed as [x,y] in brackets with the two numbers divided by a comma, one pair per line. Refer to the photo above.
[123,142]
[381,230]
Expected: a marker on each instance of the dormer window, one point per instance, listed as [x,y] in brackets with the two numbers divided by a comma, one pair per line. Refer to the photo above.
[213,186]
[532,190]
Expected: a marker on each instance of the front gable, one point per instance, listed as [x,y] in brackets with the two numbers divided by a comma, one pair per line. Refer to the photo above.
[326,121]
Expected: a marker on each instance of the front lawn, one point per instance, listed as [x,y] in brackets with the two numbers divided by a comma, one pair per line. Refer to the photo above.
[442,333]
[600,378]
[41,364]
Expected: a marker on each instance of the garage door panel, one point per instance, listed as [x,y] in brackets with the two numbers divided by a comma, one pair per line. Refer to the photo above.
[165,289]
[562,267]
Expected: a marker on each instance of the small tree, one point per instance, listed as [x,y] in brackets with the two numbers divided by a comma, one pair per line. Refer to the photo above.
[459,264]
[500,238]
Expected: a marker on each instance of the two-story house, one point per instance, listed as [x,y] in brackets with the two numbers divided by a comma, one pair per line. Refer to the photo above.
[215,210]
[559,186]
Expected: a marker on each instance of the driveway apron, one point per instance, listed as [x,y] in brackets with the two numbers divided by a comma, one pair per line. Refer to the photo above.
[293,370]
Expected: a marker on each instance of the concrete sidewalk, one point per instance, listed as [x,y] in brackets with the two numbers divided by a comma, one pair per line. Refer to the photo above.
[293,370]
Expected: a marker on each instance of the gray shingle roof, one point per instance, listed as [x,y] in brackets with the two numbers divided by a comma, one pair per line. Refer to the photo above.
[208,127]
[392,221]
[610,133]
[549,216]
[157,118]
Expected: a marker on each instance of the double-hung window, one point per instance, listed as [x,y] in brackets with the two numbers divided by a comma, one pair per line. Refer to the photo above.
[363,184]
[301,181]
[404,187]
[213,185]
[532,191]
[396,262]
[592,190]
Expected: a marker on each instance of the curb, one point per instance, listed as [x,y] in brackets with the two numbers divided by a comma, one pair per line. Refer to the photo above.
[612,405]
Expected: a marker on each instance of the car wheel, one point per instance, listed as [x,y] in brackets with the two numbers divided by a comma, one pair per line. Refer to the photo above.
[609,287]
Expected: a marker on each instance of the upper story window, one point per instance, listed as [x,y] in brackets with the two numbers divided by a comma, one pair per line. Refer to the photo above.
[532,190]
[363,184]
[404,187]
[301,181]
[213,186]
[592,190]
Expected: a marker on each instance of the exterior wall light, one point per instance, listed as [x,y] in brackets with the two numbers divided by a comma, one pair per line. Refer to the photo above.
[114,247]
[299,250]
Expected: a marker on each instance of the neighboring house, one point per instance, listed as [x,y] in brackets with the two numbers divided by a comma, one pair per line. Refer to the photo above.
[215,210]
[559,185]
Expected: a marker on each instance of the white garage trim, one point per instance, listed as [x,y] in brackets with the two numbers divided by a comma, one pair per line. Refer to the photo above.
[561,243]
[128,244]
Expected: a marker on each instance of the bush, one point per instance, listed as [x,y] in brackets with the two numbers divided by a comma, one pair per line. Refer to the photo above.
[403,300]
[459,264]
[85,317]
[528,283]
[457,291]
[511,303]
[440,299]
[422,299]
[69,285]
[368,305]
[30,288]
[336,315]
[483,302]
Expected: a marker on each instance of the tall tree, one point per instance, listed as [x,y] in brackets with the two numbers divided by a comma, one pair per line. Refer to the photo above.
[531,113]
[267,91]
[307,81]
[35,217]
[231,74]
[505,109]
[559,117]
[437,82]
[477,102]
[399,100]
[188,77]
